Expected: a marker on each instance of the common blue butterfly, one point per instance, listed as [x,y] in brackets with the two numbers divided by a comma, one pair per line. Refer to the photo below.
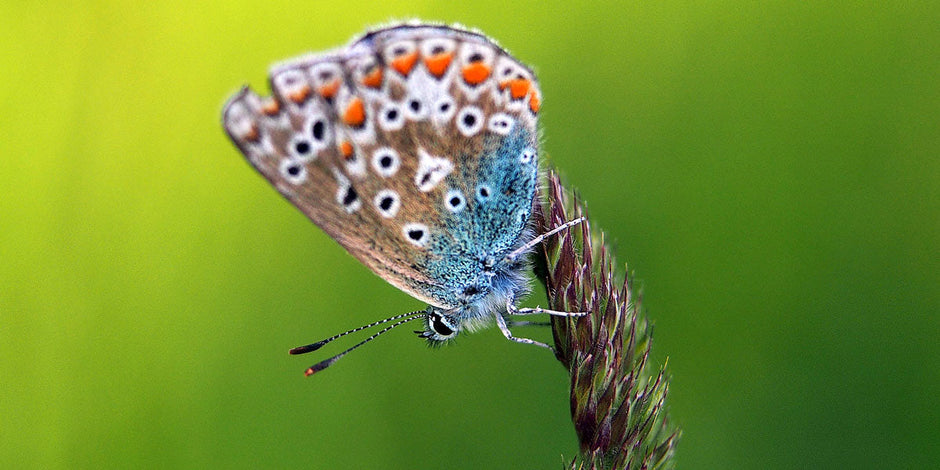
[415,148]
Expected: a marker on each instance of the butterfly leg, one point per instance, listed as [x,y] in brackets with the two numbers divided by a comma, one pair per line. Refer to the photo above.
[513,323]
[501,322]
[513,310]
[535,241]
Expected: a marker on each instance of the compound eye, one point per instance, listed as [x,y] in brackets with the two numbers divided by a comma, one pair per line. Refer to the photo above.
[440,326]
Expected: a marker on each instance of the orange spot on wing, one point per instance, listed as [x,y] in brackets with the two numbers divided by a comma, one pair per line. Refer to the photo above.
[329,90]
[519,87]
[252,135]
[535,102]
[355,113]
[300,95]
[475,73]
[404,63]
[437,64]
[346,149]
[271,107]
[373,79]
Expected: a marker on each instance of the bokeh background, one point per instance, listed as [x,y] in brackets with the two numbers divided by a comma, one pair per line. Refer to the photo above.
[769,170]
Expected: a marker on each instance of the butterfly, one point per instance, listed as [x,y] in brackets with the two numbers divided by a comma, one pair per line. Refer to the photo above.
[416,148]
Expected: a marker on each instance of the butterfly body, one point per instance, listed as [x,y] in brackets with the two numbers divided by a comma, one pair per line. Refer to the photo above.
[416,149]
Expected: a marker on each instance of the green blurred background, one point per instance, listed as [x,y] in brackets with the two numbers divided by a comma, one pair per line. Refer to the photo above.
[770,170]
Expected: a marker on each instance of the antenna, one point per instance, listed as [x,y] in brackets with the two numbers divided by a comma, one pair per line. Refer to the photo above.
[328,362]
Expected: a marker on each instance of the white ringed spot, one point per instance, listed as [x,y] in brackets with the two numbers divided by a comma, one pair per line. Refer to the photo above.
[470,120]
[454,201]
[387,203]
[416,233]
[527,156]
[391,117]
[293,171]
[385,161]
[501,123]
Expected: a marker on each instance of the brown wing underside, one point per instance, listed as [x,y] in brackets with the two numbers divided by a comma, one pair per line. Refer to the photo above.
[323,136]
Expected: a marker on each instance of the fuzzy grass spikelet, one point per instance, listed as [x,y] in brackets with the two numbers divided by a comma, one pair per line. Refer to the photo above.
[617,405]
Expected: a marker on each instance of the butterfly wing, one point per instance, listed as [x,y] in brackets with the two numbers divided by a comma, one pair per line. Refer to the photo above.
[414,148]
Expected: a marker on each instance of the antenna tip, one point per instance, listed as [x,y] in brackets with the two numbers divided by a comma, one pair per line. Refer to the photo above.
[321,365]
[308,348]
